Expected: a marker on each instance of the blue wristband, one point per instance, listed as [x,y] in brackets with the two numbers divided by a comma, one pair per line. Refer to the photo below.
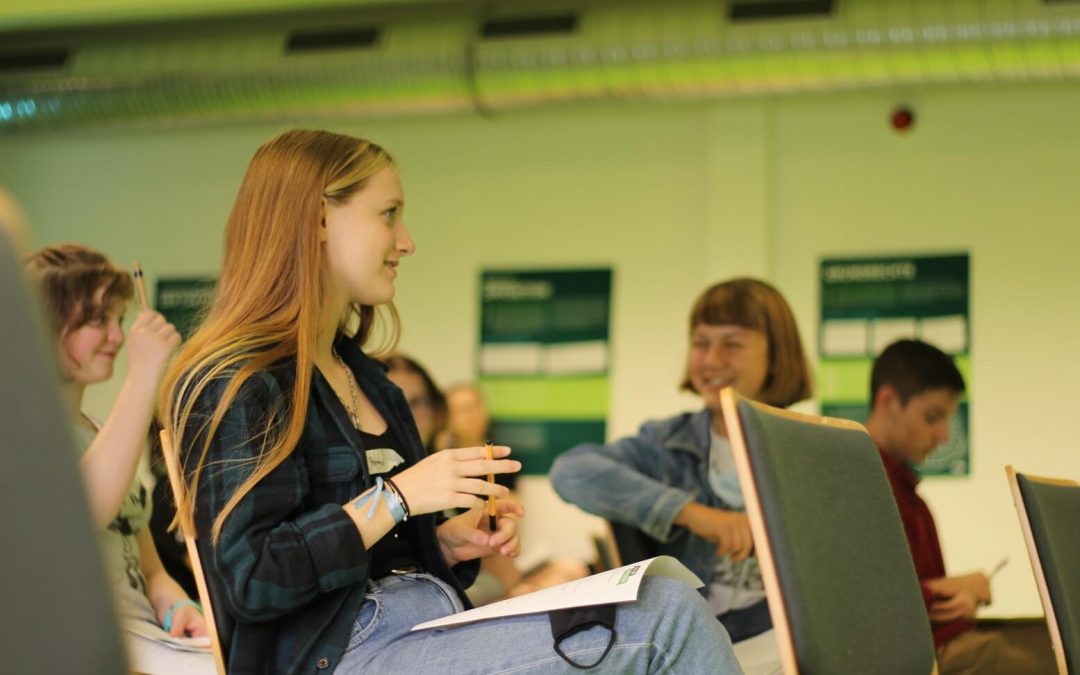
[372,496]
[389,497]
[166,623]
[393,502]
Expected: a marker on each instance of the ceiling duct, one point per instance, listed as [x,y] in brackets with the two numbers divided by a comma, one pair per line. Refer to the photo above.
[332,40]
[515,54]
[31,60]
[743,10]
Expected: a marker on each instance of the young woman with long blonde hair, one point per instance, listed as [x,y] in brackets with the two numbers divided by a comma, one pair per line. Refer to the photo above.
[307,483]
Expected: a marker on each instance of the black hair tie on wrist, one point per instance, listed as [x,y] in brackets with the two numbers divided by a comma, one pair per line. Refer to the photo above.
[400,494]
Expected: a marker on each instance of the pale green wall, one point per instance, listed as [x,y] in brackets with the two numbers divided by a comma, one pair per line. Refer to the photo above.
[986,171]
[675,197]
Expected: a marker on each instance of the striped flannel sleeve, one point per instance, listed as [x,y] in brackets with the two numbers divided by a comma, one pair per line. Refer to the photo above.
[274,555]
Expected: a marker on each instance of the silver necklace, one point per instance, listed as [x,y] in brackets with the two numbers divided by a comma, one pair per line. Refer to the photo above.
[354,411]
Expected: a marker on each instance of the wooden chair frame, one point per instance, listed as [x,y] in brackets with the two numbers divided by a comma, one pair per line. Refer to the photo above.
[762,546]
[1036,561]
[176,481]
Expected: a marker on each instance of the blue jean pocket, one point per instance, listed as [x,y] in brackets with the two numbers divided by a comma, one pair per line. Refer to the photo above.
[366,621]
[453,602]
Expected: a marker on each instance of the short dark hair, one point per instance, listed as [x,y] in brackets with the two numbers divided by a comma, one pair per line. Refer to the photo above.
[912,367]
[753,303]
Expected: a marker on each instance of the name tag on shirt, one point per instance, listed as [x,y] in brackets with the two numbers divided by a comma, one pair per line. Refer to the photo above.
[382,460]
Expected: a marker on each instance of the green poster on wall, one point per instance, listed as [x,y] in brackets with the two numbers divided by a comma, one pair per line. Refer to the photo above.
[183,300]
[543,359]
[868,303]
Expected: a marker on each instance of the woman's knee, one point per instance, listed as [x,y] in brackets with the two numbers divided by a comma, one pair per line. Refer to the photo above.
[671,593]
[674,604]
[682,628]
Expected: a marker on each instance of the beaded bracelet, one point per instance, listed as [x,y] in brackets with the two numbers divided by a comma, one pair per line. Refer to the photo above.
[166,623]
[401,497]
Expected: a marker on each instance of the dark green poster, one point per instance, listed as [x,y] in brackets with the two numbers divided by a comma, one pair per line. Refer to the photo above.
[183,300]
[868,303]
[543,359]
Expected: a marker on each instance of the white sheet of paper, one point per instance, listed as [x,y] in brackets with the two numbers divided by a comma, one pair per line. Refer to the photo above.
[146,655]
[153,632]
[617,585]
[153,651]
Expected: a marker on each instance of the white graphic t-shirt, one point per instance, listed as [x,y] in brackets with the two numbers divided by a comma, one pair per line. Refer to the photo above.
[119,541]
[733,585]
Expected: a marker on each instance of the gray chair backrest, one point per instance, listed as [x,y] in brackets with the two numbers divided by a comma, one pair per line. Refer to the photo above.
[838,572]
[1051,510]
[56,614]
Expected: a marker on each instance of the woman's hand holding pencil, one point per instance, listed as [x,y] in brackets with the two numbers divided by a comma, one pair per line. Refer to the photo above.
[463,478]
[491,481]
[455,479]
[464,537]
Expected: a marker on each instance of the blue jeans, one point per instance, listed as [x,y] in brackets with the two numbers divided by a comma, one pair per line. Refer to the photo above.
[668,630]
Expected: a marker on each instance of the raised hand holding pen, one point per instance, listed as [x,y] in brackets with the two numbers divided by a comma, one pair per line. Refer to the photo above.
[151,339]
[140,284]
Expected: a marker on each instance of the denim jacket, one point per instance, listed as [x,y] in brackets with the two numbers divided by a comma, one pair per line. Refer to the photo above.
[645,480]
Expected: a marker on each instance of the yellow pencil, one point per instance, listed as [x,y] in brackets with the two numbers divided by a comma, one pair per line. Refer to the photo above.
[140,284]
[491,480]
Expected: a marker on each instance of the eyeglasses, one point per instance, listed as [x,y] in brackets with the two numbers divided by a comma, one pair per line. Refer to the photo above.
[421,402]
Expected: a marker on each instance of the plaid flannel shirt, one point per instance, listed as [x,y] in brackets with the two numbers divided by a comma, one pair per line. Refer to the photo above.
[288,576]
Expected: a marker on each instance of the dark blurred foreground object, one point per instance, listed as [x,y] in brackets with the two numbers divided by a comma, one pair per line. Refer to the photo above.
[57,615]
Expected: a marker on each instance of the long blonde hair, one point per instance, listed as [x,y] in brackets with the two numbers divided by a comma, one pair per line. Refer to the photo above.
[269,300]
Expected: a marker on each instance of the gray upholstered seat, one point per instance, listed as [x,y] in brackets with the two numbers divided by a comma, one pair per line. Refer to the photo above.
[1049,512]
[838,572]
[57,613]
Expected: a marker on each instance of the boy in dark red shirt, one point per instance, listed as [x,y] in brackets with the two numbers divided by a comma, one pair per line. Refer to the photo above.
[915,389]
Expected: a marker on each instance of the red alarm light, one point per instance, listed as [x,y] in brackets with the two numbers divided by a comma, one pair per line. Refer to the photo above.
[902,119]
